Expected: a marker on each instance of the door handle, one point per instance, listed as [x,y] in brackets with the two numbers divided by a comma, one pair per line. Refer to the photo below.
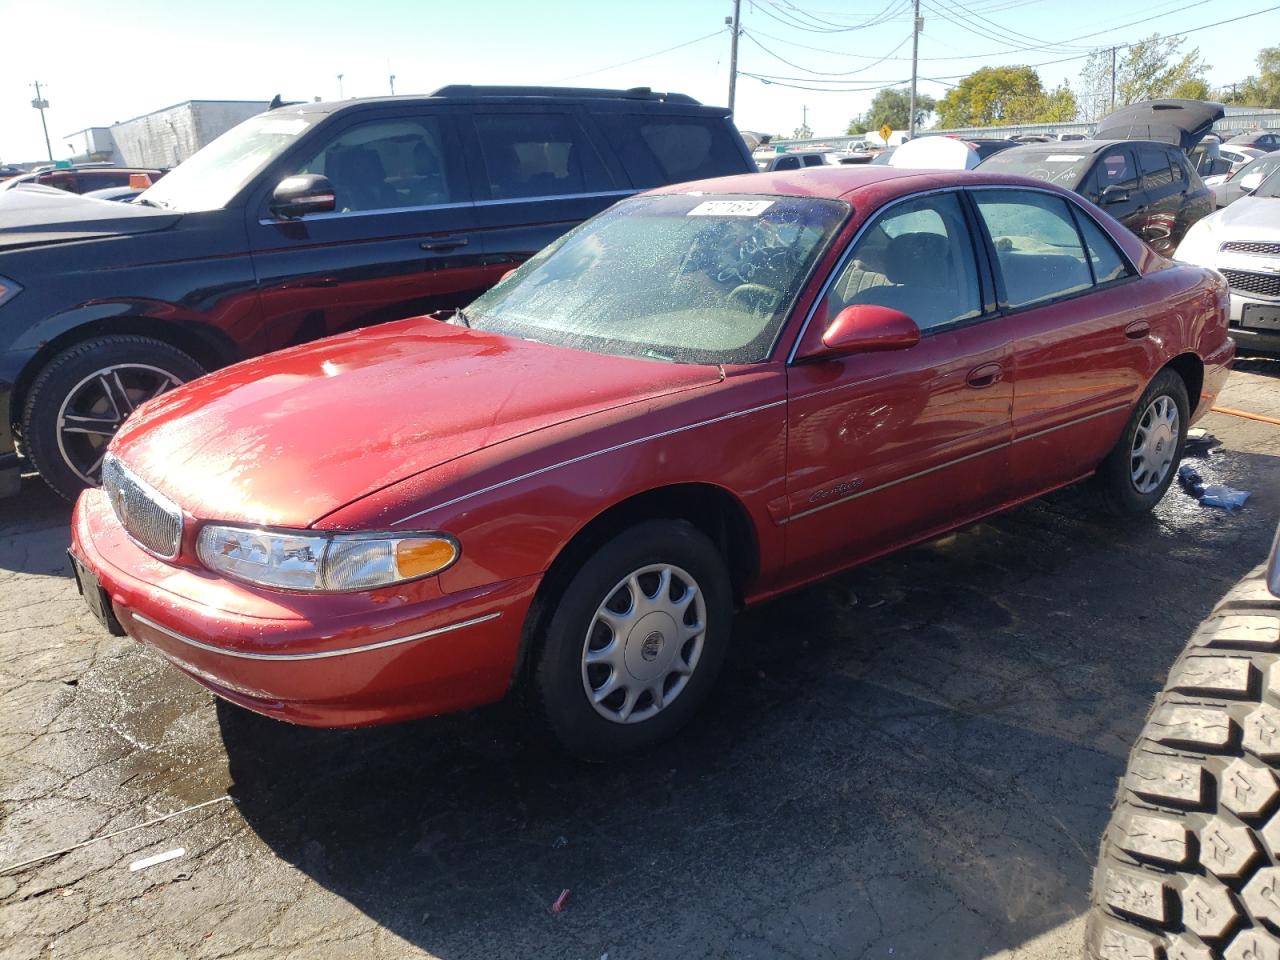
[1137,330]
[443,243]
[986,375]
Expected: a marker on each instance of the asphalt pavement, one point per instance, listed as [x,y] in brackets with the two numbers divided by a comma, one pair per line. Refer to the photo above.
[913,760]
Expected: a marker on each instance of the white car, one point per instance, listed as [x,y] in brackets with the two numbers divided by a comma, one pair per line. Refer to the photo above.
[1242,242]
[1238,157]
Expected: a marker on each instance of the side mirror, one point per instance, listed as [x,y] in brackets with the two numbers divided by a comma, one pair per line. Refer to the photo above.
[1251,182]
[1114,194]
[300,195]
[866,327]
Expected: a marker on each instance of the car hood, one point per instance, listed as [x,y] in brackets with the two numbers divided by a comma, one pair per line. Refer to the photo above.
[288,438]
[1180,122]
[1249,218]
[35,215]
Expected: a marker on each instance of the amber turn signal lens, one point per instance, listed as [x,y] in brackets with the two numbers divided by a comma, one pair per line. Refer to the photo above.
[419,557]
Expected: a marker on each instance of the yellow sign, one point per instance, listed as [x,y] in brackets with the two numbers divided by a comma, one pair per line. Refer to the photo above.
[885,133]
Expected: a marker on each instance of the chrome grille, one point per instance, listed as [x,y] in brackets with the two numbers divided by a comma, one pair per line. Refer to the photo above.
[1262,248]
[147,516]
[1244,281]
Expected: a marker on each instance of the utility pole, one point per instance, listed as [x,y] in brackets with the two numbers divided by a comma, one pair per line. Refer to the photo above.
[734,24]
[1113,77]
[915,50]
[393,84]
[340,86]
[41,104]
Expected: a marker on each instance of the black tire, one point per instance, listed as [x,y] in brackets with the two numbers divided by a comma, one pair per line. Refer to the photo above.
[1190,862]
[558,681]
[62,375]
[1113,481]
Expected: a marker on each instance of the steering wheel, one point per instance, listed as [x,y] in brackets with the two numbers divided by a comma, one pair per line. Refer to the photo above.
[755,297]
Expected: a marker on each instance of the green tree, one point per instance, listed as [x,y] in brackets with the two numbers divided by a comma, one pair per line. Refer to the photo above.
[802,132]
[892,105]
[1262,90]
[1156,67]
[996,95]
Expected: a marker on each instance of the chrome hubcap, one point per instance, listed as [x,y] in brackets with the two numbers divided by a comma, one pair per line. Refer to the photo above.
[95,408]
[643,643]
[1154,444]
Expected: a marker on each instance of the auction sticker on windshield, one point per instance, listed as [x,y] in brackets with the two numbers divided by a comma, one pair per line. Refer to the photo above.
[1064,157]
[730,208]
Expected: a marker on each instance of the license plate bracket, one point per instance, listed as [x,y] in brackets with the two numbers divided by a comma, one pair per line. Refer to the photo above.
[95,597]
[1260,316]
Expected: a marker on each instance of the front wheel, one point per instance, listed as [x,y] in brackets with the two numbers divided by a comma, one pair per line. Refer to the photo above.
[635,640]
[1139,469]
[83,395]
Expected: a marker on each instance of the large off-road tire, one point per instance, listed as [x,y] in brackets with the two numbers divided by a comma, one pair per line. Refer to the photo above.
[647,616]
[1139,469]
[81,396]
[1190,862]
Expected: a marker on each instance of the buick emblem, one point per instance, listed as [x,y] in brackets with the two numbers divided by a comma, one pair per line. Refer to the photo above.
[652,645]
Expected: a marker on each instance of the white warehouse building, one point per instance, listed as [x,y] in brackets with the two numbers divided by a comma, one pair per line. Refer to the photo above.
[163,138]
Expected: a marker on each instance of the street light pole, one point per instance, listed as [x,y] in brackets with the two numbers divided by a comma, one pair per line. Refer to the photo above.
[733,53]
[915,50]
[41,104]
[340,86]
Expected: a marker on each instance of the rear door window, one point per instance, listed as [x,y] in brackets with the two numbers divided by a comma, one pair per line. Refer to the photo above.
[538,155]
[1108,263]
[660,150]
[1037,245]
[1154,164]
[813,160]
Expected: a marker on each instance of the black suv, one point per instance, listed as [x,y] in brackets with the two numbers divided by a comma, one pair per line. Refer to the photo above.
[301,222]
[1150,187]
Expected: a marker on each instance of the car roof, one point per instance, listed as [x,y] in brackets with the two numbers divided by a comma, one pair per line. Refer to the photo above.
[844,181]
[469,93]
[1088,146]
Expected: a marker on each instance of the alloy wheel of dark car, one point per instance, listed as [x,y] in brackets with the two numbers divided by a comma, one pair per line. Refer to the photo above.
[83,396]
[635,640]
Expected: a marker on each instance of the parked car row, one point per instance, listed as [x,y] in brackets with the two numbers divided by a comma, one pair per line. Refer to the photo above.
[610,419]
[86,179]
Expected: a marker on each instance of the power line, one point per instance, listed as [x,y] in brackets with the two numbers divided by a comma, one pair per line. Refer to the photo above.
[656,53]
[826,73]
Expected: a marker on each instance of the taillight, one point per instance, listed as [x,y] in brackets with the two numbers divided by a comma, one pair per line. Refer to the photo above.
[8,290]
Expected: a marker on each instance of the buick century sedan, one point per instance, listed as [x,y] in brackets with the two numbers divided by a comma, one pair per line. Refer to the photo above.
[701,398]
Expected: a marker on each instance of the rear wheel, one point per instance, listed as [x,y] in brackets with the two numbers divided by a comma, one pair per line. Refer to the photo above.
[83,395]
[635,640]
[1139,469]
[1190,862]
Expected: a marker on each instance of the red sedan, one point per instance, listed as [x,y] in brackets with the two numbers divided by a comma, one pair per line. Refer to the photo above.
[705,396]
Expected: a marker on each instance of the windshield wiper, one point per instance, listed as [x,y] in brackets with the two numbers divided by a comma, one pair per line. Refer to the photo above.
[148,203]
[459,315]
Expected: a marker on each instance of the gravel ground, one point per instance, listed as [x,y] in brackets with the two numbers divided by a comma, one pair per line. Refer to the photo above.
[912,760]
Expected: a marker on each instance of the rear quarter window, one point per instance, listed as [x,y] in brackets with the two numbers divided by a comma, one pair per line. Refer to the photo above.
[658,150]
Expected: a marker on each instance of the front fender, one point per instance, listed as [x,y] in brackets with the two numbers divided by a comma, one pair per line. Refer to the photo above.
[515,506]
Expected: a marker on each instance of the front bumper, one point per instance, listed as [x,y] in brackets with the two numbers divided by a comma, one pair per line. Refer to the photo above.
[309,659]
[1251,340]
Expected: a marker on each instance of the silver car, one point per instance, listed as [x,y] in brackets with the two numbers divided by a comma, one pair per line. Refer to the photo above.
[1242,242]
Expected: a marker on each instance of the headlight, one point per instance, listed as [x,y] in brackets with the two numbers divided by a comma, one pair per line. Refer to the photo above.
[323,562]
[8,290]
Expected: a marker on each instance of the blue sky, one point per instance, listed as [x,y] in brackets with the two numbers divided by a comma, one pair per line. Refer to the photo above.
[110,61]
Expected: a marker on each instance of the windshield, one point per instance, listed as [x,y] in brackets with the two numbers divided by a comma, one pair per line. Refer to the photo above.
[1063,167]
[688,278]
[212,176]
[1262,166]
